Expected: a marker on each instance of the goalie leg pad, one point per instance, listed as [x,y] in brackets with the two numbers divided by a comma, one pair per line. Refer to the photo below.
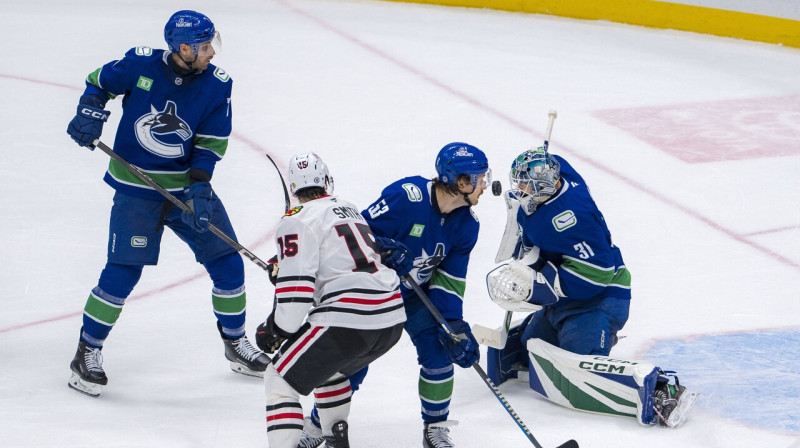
[592,383]
[506,363]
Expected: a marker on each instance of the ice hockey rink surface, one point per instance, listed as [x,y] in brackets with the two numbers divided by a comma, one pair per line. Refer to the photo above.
[690,144]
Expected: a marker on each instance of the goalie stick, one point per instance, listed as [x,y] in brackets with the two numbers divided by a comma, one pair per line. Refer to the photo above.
[496,338]
[180,204]
[502,399]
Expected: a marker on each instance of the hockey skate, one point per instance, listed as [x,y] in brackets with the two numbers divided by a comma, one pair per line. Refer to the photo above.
[437,435]
[88,376]
[312,435]
[672,402]
[244,358]
[339,437]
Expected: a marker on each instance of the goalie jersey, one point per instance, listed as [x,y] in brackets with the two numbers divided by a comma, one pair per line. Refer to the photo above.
[170,123]
[572,234]
[329,268]
[440,243]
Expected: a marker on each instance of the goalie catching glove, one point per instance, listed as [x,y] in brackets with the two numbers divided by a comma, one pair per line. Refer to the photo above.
[515,286]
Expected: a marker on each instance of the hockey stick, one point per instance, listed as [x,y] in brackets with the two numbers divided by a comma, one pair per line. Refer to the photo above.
[440,319]
[288,203]
[178,203]
[497,338]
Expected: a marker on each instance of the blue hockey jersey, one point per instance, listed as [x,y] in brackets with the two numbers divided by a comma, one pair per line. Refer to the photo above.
[572,234]
[440,243]
[169,124]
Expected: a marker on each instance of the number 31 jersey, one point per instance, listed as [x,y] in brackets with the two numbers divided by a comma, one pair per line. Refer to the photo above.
[330,269]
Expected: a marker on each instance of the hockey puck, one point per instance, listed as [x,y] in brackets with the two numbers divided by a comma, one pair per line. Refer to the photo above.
[497,188]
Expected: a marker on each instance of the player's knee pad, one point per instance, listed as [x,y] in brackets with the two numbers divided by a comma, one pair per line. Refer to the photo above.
[592,383]
[431,353]
[276,388]
[119,279]
[227,271]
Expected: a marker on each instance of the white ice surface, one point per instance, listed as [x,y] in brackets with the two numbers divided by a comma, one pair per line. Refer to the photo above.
[377,88]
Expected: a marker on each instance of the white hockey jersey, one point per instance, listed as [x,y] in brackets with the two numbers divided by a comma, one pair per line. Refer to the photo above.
[330,270]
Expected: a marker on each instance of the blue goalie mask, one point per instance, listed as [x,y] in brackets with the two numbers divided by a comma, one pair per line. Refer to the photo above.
[190,28]
[457,158]
[534,175]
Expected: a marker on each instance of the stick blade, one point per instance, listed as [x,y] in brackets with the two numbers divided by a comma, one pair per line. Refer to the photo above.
[569,444]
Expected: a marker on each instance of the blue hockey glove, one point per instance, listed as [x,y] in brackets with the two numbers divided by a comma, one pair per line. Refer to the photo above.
[268,336]
[199,198]
[465,352]
[88,122]
[395,255]
[546,287]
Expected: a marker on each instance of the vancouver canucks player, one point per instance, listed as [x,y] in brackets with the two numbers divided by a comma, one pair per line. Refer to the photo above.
[426,229]
[176,119]
[568,267]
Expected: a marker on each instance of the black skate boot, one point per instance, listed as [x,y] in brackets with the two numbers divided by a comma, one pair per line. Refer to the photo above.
[312,435]
[339,437]
[437,435]
[244,358]
[88,376]
[672,402]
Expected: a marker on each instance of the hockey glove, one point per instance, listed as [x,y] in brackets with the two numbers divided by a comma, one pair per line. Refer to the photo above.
[199,197]
[465,351]
[546,287]
[395,255]
[87,125]
[272,269]
[268,337]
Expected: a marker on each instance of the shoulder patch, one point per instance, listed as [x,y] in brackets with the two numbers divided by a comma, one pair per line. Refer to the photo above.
[293,211]
[413,192]
[221,74]
[564,220]
[144,51]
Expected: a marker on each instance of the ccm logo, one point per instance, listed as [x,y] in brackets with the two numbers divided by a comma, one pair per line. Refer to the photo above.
[94,114]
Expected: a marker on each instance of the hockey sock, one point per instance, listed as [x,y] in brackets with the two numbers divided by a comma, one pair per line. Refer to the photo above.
[332,401]
[435,391]
[105,302]
[284,412]
[228,296]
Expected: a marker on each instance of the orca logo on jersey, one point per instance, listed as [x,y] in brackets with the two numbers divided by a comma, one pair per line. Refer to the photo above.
[163,132]
[425,264]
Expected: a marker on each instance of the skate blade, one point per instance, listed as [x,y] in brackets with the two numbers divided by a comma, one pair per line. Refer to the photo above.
[84,387]
[681,411]
[239,368]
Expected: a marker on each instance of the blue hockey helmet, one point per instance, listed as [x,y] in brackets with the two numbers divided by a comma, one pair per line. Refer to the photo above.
[458,158]
[533,177]
[190,28]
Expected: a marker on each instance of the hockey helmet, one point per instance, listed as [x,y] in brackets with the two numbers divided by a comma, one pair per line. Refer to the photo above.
[458,158]
[190,28]
[534,175]
[308,170]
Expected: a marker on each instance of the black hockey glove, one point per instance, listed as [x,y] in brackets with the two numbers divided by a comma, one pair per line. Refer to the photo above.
[395,255]
[268,337]
[87,125]
[272,269]
[465,351]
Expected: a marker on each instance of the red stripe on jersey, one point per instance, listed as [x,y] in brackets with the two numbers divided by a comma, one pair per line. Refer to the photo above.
[369,301]
[332,393]
[300,346]
[294,289]
[298,416]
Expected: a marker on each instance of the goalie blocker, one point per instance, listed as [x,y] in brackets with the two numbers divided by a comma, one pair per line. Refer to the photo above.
[590,383]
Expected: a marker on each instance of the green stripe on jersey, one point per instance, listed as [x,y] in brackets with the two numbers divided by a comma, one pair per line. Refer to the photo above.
[588,272]
[229,305]
[455,285]
[101,310]
[217,145]
[173,181]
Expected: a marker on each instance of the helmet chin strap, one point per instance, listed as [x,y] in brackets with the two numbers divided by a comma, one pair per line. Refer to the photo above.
[188,63]
[466,196]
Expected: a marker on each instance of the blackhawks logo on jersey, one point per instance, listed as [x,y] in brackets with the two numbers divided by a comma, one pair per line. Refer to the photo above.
[294,211]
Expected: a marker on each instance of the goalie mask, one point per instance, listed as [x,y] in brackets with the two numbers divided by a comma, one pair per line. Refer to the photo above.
[534,175]
[308,170]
